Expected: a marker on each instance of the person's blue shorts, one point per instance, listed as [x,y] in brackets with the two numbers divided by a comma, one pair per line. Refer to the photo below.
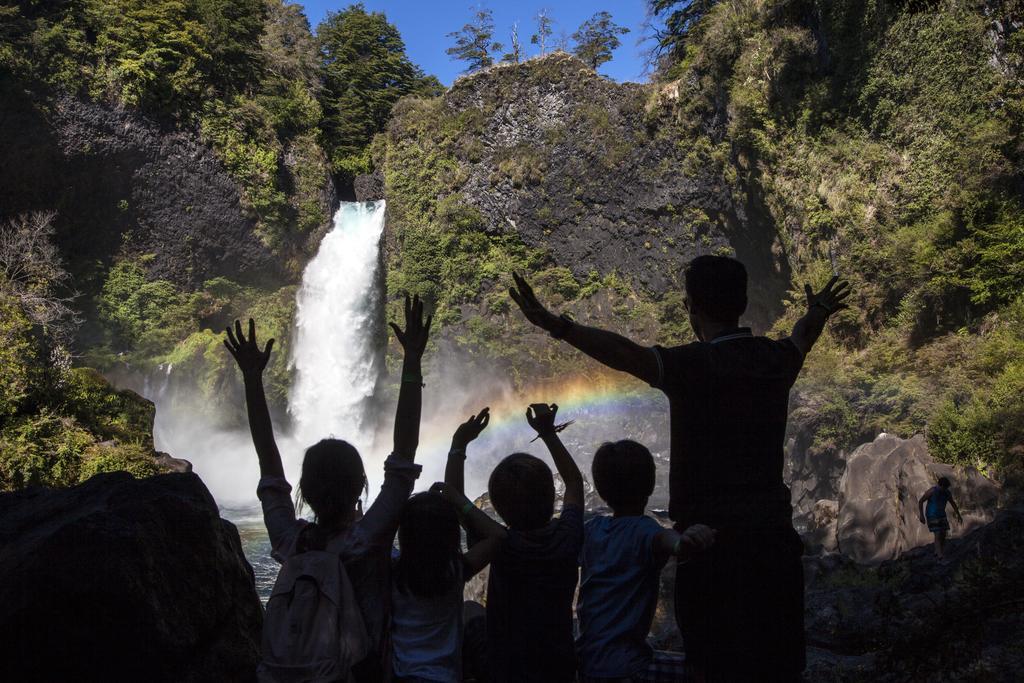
[937,524]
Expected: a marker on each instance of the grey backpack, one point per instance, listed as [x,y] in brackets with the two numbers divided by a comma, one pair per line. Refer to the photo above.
[313,631]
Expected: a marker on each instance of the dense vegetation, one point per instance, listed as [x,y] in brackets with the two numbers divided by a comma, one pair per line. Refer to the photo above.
[288,112]
[58,425]
[884,141]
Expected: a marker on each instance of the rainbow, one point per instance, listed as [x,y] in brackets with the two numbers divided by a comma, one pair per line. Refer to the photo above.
[584,399]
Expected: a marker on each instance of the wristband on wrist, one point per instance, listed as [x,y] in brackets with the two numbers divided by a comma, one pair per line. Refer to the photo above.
[457,450]
[412,378]
[565,323]
[467,507]
[678,544]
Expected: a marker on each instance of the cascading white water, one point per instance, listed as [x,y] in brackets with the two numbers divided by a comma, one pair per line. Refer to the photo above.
[332,351]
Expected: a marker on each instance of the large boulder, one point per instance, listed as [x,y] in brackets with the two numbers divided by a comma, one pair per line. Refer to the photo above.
[908,619]
[878,494]
[120,579]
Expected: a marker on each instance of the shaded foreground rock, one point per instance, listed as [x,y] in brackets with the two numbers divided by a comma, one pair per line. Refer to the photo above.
[914,619]
[878,494]
[120,579]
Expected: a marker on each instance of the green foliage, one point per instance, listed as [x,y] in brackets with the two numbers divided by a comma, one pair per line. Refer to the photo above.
[145,316]
[365,71]
[133,458]
[474,42]
[680,17]
[597,38]
[18,359]
[41,450]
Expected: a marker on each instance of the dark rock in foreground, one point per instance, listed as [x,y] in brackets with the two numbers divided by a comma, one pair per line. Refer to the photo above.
[915,619]
[120,579]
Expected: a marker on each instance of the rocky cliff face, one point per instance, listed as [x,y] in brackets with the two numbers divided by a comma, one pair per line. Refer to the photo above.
[124,579]
[548,167]
[120,181]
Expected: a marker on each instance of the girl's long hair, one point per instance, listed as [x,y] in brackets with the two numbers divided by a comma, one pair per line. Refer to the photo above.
[430,544]
[332,480]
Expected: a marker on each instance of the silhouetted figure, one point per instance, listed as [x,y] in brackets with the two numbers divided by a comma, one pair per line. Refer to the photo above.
[622,558]
[429,576]
[934,515]
[740,605]
[533,575]
[312,628]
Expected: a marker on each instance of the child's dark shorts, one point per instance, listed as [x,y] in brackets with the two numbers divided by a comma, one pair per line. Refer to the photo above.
[937,524]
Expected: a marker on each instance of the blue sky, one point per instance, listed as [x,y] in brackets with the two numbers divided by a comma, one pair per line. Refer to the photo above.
[425,24]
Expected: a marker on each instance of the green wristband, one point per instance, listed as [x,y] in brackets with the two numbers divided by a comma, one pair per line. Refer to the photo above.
[467,507]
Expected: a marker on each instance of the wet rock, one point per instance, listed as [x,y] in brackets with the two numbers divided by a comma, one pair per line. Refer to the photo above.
[369,187]
[878,494]
[120,579]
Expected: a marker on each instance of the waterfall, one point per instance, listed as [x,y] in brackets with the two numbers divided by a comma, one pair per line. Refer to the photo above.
[332,351]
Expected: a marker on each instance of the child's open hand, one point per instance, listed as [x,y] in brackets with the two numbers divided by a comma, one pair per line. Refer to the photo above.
[414,337]
[246,352]
[471,428]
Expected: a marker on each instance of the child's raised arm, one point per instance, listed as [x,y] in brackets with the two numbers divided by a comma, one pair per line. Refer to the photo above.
[251,361]
[454,471]
[541,417]
[410,395]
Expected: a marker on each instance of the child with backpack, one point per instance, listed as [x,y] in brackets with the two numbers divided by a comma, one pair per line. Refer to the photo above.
[327,617]
[430,572]
[622,558]
[534,573]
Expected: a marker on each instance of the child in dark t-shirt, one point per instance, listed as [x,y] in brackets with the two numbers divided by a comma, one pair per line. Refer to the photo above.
[534,573]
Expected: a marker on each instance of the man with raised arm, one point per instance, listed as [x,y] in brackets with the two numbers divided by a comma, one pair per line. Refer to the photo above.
[740,605]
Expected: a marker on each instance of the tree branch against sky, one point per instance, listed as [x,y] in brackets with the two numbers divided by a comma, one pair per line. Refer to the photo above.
[424,27]
[474,42]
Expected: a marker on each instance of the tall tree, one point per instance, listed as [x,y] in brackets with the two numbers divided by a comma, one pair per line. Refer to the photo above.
[515,54]
[680,16]
[365,71]
[597,38]
[545,27]
[474,42]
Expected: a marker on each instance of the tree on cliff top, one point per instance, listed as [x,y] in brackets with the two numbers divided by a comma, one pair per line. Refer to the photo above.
[545,28]
[597,38]
[474,42]
[680,17]
[365,71]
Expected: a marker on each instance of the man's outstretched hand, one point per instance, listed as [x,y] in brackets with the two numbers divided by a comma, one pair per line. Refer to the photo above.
[471,428]
[533,309]
[414,337]
[246,352]
[830,298]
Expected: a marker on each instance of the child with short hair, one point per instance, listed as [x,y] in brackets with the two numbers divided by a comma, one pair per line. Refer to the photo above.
[429,575]
[622,558]
[937,497]
[534,572]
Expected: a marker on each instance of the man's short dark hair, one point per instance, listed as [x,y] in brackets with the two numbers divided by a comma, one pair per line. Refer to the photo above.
[522,490]
[944,482]
[623,473]
[717,286]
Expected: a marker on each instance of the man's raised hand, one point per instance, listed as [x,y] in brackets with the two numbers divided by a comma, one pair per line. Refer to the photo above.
[830,298]
[246,352]
[533,309]
[414,337]
[471,428]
